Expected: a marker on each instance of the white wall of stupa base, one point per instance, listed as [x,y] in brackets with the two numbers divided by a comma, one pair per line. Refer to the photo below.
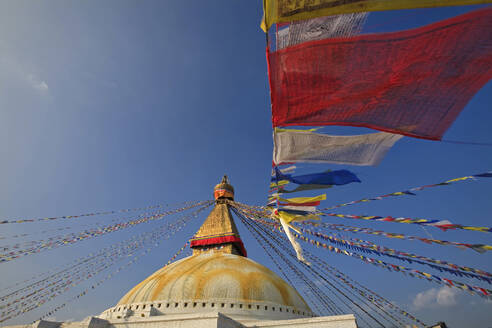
[212,319]
[238,308]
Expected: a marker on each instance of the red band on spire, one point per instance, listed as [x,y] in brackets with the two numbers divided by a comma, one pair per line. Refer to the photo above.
[220,240]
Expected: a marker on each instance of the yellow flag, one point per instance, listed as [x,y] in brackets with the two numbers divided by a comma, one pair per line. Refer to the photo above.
[459,179]
[482,229]
[282,11]
[279,130]
[426,274]
[278,184]
[290,217]
[302,200]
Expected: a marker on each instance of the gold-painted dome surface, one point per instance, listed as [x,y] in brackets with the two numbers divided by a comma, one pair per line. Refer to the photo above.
[211,276]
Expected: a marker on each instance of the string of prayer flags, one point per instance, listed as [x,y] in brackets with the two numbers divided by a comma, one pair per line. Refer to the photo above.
[441,224]
[280,249]
[50,294]
[94,261]
[57,271]
[340,227]
[382,305]
[282,11]
[339,26]
[412,190]
[75,277]
[308,147]
[369,247]
[361,288]
[475,290]
[385,81]
[92,287]
[110,253]
[22,235]
[13,252]
[251,213]
[249,207]
[266,212]
[317,261]
[65,282]
[465,270]
[82,215]
[338,177]
[40,245]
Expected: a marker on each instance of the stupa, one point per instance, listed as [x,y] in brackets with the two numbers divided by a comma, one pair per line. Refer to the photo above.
[217,286]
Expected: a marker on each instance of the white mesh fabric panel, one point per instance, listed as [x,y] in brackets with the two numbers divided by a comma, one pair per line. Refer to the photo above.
[338,26]
[308,147]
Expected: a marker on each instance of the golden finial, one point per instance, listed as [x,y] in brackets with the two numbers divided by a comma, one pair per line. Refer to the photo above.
[224,190]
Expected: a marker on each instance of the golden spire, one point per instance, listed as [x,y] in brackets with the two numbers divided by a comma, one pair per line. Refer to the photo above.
[224,190]
[219,232]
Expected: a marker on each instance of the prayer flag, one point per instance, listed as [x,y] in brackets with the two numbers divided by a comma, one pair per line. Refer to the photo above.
[305,187]
[338,177]
[302,200]
[299,208]
[366,149]
[277,11]
[338,26]
[412,82]
[278,184]
[291,216]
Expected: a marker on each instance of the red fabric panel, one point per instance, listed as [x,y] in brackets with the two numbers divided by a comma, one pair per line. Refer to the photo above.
[413,82]
[220,240]
[214,241]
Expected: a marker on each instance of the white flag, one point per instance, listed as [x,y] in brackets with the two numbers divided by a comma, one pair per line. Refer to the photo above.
[338,26]
[308,147]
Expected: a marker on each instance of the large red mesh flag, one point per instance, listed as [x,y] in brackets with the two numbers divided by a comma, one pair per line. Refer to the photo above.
[412,82]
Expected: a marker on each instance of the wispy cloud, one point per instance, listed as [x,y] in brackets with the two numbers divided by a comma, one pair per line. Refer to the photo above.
[39,85]
[442,297]
[11,64]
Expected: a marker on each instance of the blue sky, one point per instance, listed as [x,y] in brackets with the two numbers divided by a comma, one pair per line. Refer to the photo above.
[118,104]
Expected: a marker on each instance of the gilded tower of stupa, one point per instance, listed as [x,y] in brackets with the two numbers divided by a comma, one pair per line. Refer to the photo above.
[219,232]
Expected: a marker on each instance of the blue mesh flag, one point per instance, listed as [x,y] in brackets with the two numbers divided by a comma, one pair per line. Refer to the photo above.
[338,177]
